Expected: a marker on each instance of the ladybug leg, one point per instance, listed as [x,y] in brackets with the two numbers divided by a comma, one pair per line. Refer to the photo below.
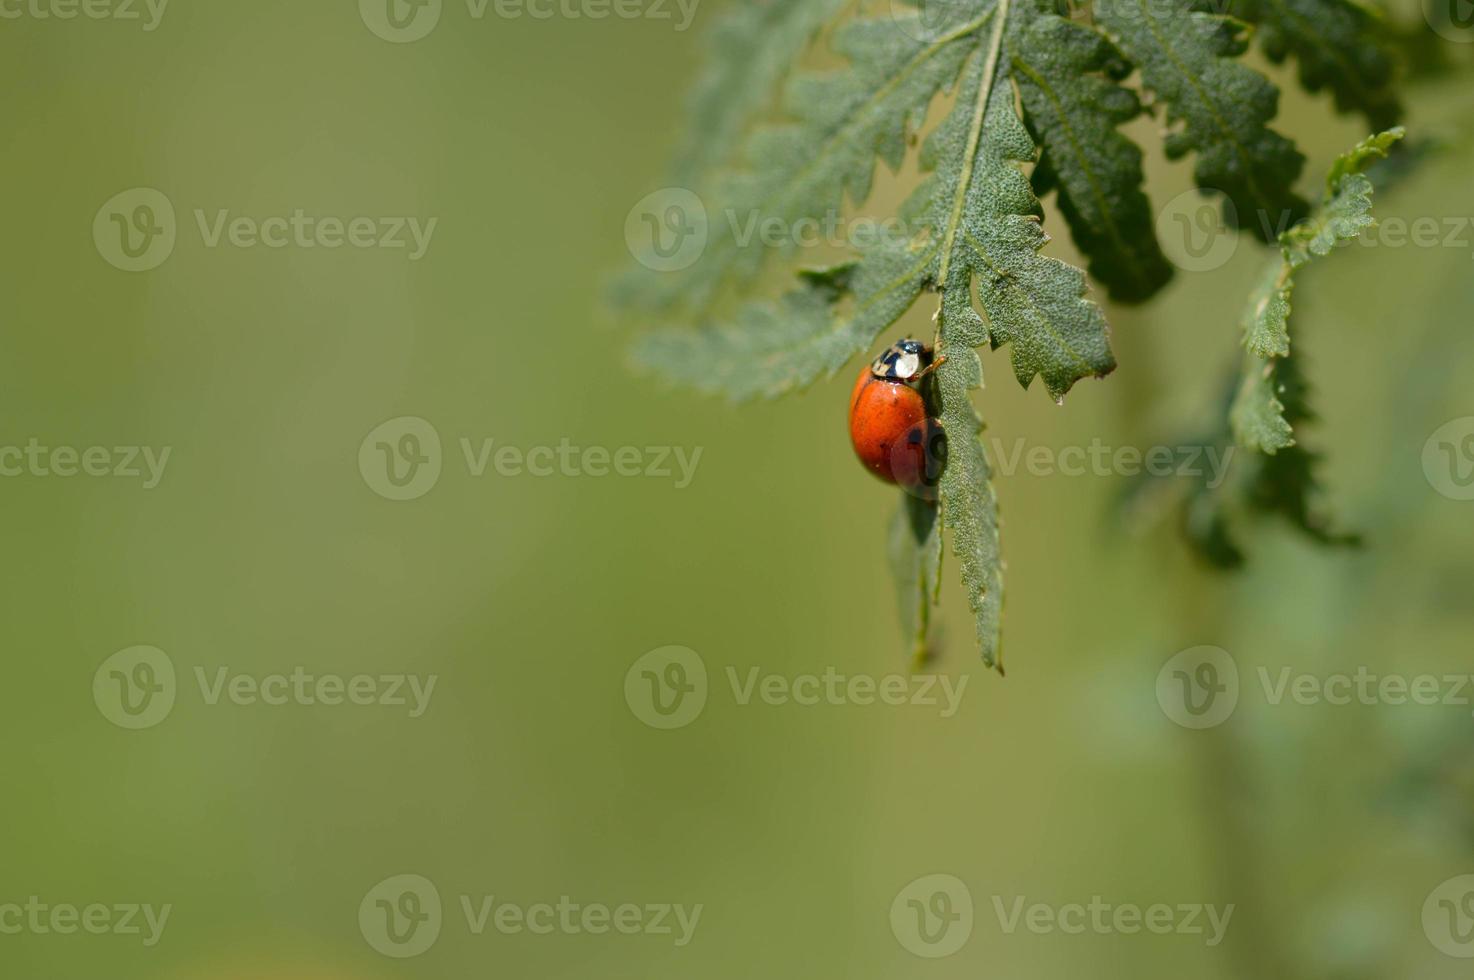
[938,362]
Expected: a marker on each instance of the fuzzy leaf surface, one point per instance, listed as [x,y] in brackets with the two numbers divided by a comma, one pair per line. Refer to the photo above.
[1069,77]
[1217,107]
[1342,45]
[1260,417]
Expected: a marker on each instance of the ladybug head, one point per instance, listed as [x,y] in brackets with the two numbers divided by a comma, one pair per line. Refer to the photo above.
[902,361]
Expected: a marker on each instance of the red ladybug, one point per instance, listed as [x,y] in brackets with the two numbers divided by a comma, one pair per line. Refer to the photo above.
[891,427]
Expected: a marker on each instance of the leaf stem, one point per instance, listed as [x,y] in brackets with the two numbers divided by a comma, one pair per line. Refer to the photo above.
[970,154]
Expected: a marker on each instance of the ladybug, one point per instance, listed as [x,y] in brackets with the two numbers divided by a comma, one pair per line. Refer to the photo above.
[892,427]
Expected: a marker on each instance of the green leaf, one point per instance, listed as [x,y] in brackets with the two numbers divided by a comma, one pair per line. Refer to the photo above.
[805,170]
[969,506]
[1020,77]
[916,564]
[771,349]
[983,222]
[1272,398]
[1339,44]
[979,224]
[1278,476]
[749,51]
[1216,107]
[1208,531]
[1347,211]
[1361,157]
[1259,415]
[1286,482]
[1282,485]
[1068,76]
[986,217]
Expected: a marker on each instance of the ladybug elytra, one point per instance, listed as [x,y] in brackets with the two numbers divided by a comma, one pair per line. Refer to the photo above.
[892,427]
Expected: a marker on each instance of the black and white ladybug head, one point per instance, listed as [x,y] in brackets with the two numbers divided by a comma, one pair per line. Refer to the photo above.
[902,361]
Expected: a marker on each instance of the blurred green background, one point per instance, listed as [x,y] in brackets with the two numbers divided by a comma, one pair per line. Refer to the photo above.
[529,776]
